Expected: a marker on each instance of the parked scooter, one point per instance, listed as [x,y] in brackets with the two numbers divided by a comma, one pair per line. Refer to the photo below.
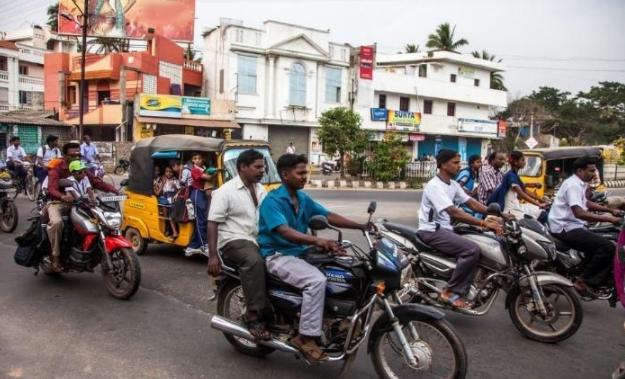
[406,340]
[329,167]
[543,306]
[122,166]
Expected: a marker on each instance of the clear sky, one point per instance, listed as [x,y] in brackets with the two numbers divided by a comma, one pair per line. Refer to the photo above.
[568,44]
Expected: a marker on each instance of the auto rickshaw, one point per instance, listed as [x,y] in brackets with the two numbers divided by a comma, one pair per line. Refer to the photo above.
[548,167]
[143,223]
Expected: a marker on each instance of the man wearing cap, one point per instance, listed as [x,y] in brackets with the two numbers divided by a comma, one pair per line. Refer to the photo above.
[437,210]
[61,202]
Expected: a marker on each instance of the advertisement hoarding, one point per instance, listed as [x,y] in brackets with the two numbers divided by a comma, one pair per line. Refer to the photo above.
[502,128]
[200,106]
[173,19]
[468,125]
[403,120]
[378,114]
[367,54]
[173,106]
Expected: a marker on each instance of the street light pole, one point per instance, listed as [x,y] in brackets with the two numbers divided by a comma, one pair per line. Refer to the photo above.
[85,25]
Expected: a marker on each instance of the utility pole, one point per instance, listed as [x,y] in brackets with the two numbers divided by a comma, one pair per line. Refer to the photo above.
[532,125]
[85,25]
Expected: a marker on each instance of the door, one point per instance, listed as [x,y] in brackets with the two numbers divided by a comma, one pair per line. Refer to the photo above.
[281,136]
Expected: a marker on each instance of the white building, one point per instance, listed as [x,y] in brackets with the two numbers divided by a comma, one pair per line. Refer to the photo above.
[282,77]
[434,100]
[21,66]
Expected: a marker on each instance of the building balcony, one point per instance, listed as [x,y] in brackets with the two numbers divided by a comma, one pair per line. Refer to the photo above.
[31,80]
[6,107]
[423,87]
[103,114]
[4,76]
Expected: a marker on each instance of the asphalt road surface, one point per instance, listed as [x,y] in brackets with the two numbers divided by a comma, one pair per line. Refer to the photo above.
[69,327]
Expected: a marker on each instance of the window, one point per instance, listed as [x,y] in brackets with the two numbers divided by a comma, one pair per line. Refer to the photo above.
[247,75]
[104,96]
[71,95]
[451,109]
[423,71]
[343,53]
[452,78]
[3,64]
[331,51]
[221,81]
[26,97]
[476,82]
[23,70]
[333,84]
[427,106]
[297,85]
[404,104]
[382,101]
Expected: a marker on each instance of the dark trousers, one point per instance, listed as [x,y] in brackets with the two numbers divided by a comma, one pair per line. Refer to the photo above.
[244,254]
[18,169]
[598,252]
[200,204]
[40,173]
[467,255]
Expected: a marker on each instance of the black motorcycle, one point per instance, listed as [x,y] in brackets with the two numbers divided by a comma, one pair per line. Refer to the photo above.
[329,167]
[122,167]
[406,340]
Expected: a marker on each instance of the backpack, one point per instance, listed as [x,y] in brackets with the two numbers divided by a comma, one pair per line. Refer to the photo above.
[30,251]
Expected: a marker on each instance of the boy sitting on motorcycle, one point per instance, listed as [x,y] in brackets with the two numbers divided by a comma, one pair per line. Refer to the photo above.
[81,186]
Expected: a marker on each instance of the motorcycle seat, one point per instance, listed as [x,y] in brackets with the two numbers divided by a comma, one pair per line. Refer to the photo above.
[410,233]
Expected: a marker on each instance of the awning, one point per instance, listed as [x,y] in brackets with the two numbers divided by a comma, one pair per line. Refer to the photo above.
[189,122]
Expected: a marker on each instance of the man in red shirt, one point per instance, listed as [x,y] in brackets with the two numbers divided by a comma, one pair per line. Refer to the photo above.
[60,203]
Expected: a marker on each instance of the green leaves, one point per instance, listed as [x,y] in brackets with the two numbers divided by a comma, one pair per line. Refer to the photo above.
[443,39]
[389,158]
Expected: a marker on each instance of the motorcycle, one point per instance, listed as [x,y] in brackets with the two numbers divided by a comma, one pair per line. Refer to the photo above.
[91,237]
[543,306]
[329,167]
[415,337]
[29,185]
[122,166]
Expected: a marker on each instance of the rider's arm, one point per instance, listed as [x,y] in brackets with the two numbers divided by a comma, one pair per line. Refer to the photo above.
[342,222]
[525,196]
[53,185]
[99,184]
[581,214]
[598,207]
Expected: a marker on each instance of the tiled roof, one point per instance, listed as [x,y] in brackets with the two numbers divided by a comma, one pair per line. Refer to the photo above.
[7,44]
[29,118]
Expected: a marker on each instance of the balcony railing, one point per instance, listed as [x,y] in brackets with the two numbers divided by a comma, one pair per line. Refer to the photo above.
[5,107]
[30,80]
[192,65]
[4,76]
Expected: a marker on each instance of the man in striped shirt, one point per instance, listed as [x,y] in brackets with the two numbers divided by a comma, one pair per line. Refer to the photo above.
[491,176]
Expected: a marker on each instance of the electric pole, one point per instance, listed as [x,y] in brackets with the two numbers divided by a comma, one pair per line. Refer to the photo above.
[81,104]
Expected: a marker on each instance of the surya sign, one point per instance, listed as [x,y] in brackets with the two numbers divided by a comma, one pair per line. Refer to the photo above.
[402,120]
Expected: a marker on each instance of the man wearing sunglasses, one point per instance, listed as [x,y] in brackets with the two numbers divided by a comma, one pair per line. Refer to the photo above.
[61,202]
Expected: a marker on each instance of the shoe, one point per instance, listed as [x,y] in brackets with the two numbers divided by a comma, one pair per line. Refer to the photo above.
[189,251]
[204,251]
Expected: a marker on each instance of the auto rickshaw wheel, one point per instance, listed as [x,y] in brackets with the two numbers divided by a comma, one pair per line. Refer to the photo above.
[139,244]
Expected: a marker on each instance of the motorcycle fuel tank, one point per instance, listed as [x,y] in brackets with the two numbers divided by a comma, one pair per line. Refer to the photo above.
[491,252]
[82,222]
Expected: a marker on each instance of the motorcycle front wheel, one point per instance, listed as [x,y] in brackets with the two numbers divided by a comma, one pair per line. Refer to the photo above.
[123,279]
[438,350]
[564,313]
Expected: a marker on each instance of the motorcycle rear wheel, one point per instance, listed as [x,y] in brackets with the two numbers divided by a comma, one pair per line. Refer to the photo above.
[231,305]
[9,216]
[119,170]
[123,280]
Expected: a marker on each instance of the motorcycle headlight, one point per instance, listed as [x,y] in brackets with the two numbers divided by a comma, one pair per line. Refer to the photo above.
[112,220]
[550,248]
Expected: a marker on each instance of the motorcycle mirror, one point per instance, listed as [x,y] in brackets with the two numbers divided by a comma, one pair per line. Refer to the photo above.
[124,183]
[318,223]
[372,207]
[493,209]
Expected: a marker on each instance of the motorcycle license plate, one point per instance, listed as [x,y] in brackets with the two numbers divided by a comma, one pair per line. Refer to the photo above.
[3,190]
[112,199]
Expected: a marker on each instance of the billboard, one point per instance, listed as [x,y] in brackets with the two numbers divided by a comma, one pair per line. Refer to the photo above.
[378,114]
[468,125]
[173,19]
[173,106]
[403,120]
[367,55]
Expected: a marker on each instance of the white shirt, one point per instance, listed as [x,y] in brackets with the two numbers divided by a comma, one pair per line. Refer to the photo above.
[49,155]
[290,149]
[233,208]
[438,196]
[572,193]
[185,176]
[78,189]
[15,154]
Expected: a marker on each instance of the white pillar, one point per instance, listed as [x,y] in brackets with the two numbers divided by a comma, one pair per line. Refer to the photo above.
[14,77]
[271,93]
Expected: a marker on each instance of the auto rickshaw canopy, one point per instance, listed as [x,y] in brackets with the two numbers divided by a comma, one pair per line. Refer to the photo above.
[566,152]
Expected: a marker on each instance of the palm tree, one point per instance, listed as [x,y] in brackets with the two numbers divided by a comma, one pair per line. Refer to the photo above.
[53,17]
[496,79]
[443,39]
[411,48]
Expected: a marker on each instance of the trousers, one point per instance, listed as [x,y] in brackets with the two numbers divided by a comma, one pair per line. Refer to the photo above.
[56,211]
[467,255]
[307,278]
[244,254]
[200,204]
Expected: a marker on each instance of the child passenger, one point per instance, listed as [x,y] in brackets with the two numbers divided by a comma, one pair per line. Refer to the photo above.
[81,187]
[167,190]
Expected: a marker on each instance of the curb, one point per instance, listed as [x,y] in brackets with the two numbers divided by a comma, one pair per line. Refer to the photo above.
[614,183]
[357,184]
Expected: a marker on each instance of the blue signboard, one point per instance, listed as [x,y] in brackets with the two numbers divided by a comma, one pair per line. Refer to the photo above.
[378,114]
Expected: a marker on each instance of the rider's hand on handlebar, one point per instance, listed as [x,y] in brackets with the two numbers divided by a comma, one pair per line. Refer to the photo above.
[493,224]
[67,198]
[328,245]
[370,226]
[614,219]
[214,265]
[617,213]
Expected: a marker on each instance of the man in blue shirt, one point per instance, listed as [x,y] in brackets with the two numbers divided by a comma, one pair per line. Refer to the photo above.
[283,223]
[89,152]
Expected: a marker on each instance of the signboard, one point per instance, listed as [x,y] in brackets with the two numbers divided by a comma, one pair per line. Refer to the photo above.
[378,114]
[200,106]
[416,137]
[531,142]
[173,19]
[367,54]
[160,105]
[502,129]
[466,72]
[468,125]
[402,120]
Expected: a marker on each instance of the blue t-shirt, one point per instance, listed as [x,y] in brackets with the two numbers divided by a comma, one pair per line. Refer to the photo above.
[465,176]
[277,209]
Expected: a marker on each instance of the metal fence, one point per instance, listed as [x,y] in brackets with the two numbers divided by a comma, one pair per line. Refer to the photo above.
[613,171]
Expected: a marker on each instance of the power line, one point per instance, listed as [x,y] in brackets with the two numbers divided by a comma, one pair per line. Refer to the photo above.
[564,69]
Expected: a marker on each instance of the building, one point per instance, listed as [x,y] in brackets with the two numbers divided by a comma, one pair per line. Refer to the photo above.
[433,100]
[32,127]
[281,77]
[116,83]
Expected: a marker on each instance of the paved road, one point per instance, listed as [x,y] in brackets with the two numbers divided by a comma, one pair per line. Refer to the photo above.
[70,328]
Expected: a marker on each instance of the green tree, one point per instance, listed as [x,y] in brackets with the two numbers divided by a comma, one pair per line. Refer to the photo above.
[443,39]
[389,158]
[411,48]
[53,17]
[551,98]
[608,98]
[340,132]
[496,79]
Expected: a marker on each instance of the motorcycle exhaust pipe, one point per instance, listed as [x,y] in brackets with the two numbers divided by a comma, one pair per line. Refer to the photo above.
[224,325]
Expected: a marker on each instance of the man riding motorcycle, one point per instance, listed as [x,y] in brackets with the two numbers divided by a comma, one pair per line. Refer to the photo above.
[60,203]
[283,223]
[567,221]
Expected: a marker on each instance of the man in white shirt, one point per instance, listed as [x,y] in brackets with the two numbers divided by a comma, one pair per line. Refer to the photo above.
[15,156]
[567,221]
[233,228]
[45,154]
[290,149]
[435,229]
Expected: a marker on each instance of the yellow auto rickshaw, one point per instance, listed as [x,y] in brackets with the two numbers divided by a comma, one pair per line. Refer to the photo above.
[548,167]
[143,222]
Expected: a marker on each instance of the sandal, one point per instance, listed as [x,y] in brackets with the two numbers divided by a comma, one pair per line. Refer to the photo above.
[258,330]
[454,300]
[311,351]
[582,288]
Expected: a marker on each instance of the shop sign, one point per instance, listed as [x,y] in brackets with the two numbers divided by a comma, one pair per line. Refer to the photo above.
[502,129]
[196,106]
[378,114]
[466,72]
[416,137]
[160,105]
[367,54]
[402,120]
[468,125]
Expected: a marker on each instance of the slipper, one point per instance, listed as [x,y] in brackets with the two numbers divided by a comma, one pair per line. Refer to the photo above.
[454,300]
[310,350]
[258,330]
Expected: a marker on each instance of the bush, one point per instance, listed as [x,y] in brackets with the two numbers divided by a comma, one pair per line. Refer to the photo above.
[389,158]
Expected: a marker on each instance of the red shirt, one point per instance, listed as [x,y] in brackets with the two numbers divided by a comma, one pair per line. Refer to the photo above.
[62,172]
[196,175]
